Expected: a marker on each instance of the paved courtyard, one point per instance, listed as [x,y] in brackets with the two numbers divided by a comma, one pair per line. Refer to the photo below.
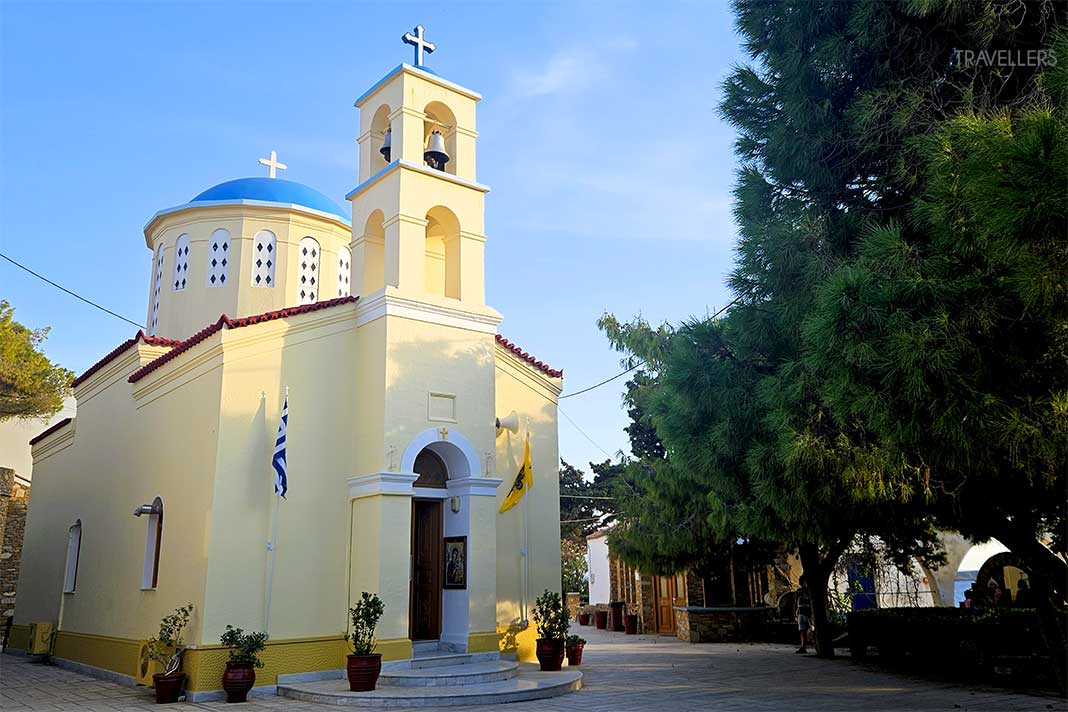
[621,673]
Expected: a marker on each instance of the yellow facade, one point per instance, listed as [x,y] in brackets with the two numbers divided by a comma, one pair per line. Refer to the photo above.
[413,365]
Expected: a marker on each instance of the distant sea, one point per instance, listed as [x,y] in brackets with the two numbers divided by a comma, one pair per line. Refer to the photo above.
[962,583]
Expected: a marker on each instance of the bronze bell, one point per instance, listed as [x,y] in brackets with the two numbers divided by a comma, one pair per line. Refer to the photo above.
[386,145]
[435,155]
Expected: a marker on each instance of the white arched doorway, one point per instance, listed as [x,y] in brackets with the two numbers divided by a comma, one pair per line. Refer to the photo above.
[447,465]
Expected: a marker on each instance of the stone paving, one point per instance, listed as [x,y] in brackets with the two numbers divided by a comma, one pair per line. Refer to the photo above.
[621,673]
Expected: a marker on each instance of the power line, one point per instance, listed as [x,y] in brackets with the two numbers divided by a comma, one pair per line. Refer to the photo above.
[76,296]
[561,411]
[607,380]
[641,363]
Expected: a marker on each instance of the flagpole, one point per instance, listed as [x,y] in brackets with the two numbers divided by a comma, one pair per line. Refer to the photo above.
[526,541]
[526,561]
[272,545]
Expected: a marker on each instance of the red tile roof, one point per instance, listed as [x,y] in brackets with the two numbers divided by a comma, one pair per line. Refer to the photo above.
[58,426]
[543,367]
[139,336]
[226,322]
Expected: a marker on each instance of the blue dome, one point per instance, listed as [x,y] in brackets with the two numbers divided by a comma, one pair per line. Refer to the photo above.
[273,190]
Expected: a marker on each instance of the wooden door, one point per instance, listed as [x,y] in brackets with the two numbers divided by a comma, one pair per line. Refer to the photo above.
[427,545]
[665,604]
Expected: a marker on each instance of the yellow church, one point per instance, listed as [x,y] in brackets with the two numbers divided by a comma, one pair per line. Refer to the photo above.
[407,419]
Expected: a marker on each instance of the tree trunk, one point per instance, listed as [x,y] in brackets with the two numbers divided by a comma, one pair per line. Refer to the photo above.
[817,573]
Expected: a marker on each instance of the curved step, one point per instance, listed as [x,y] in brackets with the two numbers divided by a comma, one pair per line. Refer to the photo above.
[471,673]
[528,684]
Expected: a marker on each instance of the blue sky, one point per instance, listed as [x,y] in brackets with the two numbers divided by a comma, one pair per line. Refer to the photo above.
[603,114]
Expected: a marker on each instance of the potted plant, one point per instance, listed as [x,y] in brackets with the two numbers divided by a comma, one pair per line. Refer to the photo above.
[584,615]
[552,618]
[166,649]
[364,665]
[240,674]
[630,623]
[574,647]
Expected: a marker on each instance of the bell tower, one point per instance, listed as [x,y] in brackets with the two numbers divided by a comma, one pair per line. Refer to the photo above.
[425,350]
[417,213]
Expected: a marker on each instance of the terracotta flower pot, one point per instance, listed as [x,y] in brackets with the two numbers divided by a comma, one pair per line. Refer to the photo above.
[363,671]
[574,654]
[168,687]
[630,623]
[584,618]
[550,652]
[601,619]
[238,679]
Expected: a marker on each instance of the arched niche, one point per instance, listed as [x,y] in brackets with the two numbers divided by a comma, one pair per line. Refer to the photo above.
[374,266]
[456,452]
[442,267]
[440,117]
[379,125]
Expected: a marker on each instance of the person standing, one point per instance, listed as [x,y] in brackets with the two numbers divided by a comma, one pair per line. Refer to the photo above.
[803,609]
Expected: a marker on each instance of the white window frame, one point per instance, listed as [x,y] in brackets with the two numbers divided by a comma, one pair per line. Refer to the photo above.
[74,551]
[157,283]
[219,253]
[181,264]
[309,266]
[344,271]
[153,544]
[264,259]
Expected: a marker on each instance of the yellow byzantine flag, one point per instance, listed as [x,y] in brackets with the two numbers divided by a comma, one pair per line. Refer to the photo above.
[524,480]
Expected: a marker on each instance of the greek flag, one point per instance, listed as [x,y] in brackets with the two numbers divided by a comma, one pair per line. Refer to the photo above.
[281,482]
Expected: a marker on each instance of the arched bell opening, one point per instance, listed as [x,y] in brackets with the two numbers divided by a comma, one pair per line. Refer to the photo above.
[374,248]
[381,138]
[442,267]
[439,137]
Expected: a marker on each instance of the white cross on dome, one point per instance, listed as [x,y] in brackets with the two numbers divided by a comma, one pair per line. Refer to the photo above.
[272,164]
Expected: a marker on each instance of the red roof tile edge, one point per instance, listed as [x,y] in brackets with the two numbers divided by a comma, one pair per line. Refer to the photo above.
[227,322]
[58,426]
[541,366]
[139,336]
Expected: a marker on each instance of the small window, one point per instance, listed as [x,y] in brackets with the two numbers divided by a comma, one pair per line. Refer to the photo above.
[218,258]
[157,282]
[181,264]
[431,470]
[153,541]
[344,272]
[308,284]
[264,250]
[74,550]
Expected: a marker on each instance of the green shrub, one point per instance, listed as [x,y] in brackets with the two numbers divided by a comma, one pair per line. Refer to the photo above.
[953,642]
[244,647]
[167,647]
[551,616]
[365,616]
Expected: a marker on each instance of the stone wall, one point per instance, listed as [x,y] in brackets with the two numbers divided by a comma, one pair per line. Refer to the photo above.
[14,500]
[646,612]
[695,624]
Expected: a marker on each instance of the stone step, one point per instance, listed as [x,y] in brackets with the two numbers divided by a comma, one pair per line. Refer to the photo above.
[470,673]
[441,660]
[425,647]
[529,684]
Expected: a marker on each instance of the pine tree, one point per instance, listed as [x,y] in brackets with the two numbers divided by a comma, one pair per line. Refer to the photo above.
[835,117]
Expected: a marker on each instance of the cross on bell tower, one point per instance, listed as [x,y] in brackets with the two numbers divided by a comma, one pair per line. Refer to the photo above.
[421,45]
